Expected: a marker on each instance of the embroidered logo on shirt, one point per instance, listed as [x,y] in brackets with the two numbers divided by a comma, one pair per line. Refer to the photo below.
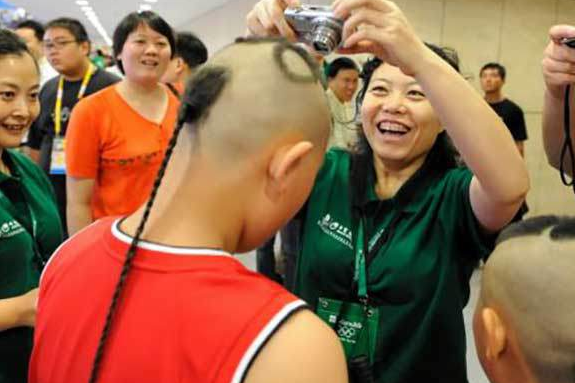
[335,230]
[10,229]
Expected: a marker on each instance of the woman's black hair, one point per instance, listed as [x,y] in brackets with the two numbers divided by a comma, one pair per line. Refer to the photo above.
[12,44]
[445,156]
[201,93]
[191,49]
[131,22]
[35,26]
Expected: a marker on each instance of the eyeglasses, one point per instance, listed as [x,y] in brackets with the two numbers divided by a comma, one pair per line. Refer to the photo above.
[58,44]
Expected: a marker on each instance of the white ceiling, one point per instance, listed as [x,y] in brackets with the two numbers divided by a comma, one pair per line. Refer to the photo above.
[110,12]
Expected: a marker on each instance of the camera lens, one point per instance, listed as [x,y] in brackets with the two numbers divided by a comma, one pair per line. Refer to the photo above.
[326,36]
[323,47]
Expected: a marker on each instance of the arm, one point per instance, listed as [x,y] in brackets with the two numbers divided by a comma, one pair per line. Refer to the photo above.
[18,311]
[82,163]
[500,180]
[303,350]
[380,28]
[558,71]
[78,207]
[553,133]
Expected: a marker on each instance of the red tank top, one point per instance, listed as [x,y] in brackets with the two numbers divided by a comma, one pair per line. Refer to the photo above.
[186,315]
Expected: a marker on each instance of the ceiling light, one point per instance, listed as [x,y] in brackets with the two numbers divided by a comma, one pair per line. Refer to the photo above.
[93,18]
[145,7]
[151,1]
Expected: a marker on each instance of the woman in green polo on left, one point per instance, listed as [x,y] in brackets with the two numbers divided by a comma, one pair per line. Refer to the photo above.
[29,224]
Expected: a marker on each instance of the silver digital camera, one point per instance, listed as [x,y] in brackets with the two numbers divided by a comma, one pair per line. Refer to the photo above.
[316,26]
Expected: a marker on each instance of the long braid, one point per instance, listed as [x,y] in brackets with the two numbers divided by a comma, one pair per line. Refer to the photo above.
[201,93]
[130,256]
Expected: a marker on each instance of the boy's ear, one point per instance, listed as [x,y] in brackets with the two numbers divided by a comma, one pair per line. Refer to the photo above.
[284,162]
[495,334]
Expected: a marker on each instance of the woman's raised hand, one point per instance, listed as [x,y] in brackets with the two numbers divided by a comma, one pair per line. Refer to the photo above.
[379,27]
[267,19]
[559,60]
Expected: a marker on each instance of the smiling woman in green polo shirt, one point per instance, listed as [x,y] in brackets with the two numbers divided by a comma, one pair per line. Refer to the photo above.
[29,223]
[391,232]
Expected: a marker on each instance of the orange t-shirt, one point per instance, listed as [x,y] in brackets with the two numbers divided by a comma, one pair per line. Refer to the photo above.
[109,141]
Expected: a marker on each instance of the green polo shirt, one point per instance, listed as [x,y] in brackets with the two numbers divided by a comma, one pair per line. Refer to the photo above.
[26,201]
[419,278]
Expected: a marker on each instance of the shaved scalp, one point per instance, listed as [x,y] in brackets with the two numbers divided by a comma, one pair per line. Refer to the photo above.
[530,278]
[271,89]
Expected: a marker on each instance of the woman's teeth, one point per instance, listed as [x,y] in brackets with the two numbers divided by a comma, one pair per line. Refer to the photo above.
[391,128]
[13,127]
[150,63]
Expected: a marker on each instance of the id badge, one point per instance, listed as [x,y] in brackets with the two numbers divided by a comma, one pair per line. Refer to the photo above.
[58,158]
[355,324]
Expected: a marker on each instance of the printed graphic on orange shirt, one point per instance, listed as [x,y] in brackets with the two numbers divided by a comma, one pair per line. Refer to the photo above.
[144,159]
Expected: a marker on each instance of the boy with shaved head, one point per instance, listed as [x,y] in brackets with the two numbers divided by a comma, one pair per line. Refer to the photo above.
[524,322]
[157,296]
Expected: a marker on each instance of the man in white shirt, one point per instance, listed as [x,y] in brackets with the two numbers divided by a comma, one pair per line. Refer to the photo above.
[32,32]
[342,81]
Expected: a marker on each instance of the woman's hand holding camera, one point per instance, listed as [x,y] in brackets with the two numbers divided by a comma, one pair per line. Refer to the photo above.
[371,26]
[267,19]
[379,27]
[559,60]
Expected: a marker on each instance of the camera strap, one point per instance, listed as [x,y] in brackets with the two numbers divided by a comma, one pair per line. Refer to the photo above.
[567,149]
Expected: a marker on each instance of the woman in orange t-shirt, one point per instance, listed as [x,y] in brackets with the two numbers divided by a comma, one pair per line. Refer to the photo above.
[117,137]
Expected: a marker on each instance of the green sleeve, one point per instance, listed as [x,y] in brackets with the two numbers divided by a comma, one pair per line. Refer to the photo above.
[476,242]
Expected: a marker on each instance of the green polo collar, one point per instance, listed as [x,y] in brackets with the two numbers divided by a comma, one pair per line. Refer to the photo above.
[15,174]
[409,197]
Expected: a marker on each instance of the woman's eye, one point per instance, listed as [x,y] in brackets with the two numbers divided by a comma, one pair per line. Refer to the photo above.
[7,95]
[416,94]
[379,90]
[34,95]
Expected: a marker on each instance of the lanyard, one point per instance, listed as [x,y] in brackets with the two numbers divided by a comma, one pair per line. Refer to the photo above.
[60,96]
[360,272]
[567,149]
[373,246]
